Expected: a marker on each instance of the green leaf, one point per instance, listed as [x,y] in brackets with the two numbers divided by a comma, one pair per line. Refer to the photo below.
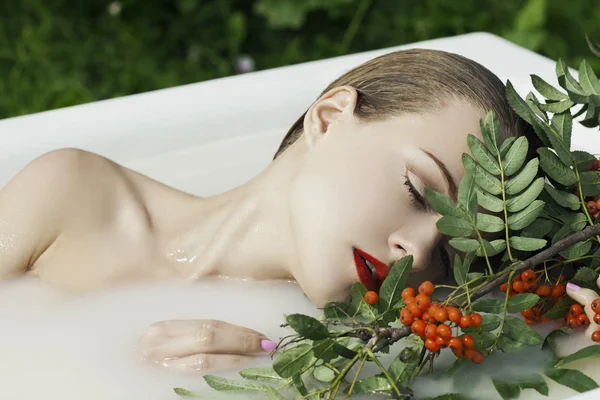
[453,226]
[508,391]
[490,130]
[576,221]
[523,218]
[583,160]
[469,163]
[323,350]
[299,384]
[343,351]
[260,374]
[506,144]
[563,124]
[535,382]
[595,261]
[515,157]
[526,243]
[563,232]
[590,183]
[574,379]
[403,366]
[566,80]
[579,249]
[466,189]
[557,107]
[587,79]
[483,340]
[188,393]
[586,277]
[336,311]
[273,394]
[535,104]
[308,327]
[359,306]
[491,306]
[372,384]
[487,181]
[589,351]
[519,202]
[508,345]
[552,340]
[555,168]
[537,229]
[489,223]
[482,155]
[441,203]
[552,209]
[521,107]
[294,360]
[517,330]
[323,374]
[489,322]
[521,302]
[464,244]
[488,201]
[565,199]
[391,288]
[523,179]
[492,248]
[231,385]
[547,90]
[559,309]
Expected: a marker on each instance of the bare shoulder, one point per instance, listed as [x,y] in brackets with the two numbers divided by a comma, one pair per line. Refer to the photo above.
[60,190]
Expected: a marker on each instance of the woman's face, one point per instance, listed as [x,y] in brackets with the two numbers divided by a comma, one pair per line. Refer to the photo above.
[361,185]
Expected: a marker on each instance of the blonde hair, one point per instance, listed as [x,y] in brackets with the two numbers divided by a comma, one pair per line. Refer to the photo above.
[420,80]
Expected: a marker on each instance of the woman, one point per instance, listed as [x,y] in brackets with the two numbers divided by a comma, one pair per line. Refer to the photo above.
[346,185]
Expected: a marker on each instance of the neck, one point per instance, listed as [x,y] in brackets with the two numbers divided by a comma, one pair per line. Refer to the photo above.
[243,233]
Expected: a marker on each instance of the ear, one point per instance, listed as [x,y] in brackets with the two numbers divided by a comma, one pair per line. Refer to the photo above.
[336,104]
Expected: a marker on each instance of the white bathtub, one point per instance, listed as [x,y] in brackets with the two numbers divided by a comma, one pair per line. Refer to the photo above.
[204,138]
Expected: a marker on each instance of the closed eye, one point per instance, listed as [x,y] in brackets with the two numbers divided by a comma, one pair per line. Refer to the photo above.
[416,198]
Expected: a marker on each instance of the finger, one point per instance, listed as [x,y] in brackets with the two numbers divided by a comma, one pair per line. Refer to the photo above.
[585,297]
[203,339]
[205,363]
[177,327]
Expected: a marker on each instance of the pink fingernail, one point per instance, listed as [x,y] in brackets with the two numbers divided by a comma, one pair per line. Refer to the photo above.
[572,286]
[268,345]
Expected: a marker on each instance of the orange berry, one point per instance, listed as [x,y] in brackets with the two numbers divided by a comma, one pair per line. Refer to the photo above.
[583,321]
[597,203]
[441,315]
[431,331]
[596,336]
[441,342]
[518,286]
[468,341]
[418,327]
[596,165]
[427,318]
[406,317]
[591,207]
[528,287]
[528,276]
[517,278]
[558,291]
[572,322]
[414,309]
[458,352]
[543,319]
[465,322]
[543,291]
[423,301]
[528,313]
[476,320]
[503,287]
[477,357]
[426,288]
[431,345]
[454,314]
[408,292]
[455,343]
[444,331]
[597,318]
[371,297]
[409,300]
[596,306]
[468,353]
[575,310]
[530,322]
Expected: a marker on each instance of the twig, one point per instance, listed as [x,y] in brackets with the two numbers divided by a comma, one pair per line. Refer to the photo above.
[539,258]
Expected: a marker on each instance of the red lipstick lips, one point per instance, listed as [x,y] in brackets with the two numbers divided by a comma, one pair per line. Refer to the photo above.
[371,280]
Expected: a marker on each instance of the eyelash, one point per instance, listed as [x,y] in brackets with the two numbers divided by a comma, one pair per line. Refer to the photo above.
[415,196]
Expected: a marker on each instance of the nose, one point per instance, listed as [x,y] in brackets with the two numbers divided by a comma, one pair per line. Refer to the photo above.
[418,240]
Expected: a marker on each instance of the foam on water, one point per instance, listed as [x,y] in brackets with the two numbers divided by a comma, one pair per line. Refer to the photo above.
[58,347]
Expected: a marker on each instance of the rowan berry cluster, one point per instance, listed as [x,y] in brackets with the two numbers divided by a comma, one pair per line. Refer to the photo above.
[592,202]
[527,282]
[433,323]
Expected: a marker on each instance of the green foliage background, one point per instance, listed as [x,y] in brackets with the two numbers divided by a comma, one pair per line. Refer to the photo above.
[64,52]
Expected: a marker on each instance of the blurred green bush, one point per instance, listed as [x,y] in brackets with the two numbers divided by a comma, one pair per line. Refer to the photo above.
[64,52]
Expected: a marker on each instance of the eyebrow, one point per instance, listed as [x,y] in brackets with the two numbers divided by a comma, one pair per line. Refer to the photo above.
[452,186]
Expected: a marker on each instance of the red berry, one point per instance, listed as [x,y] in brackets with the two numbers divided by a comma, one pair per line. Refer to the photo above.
[427,318]
[528,276]
[423,302]
[431,331]
[371,297]
[596,306]
[406,317]
[591,207]
[518,286]
[468,353]
[597,318]
[409,300]
[454,314]
[528,313]
[441,315]
[408,292]
[414,309]
[465,322]
[426,288]
[596,336]
[441,342]
[455,343]
[503,287]
[572,322]
[558,291]
[543,291]
[431,345]
[476,320]
[418,328]
[468,341]
[444,331]
[477,357]
[575,310]
[583,321]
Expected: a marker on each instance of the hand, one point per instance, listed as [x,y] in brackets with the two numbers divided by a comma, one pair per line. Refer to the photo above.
[202,345]
[585,297]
